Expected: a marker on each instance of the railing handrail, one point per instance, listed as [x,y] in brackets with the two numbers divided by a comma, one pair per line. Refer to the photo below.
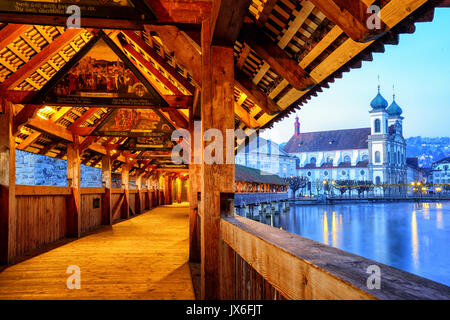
[301,268]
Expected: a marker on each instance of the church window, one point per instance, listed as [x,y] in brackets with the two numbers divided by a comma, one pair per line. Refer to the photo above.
[377,125]
[347,159]
[363,172]
[378,180]
[313,160]
[330,159]
[344,173]
[309,174]
[377,156]
[398,157]
[326,173]
[365,157]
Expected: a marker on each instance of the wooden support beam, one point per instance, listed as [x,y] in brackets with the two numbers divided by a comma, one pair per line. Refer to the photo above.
[251,90]
[351,17]
[185,53]
[277,58]
[265,13]
[138,194]
[74,182]
[179,12]
[138,58]
[10,33]
[243,56]
[227,18]
[177,117]
[125,209]
[24,115]
[40,58]
[159,60]
[84,117]
[7,185]
[194,188]
[216,179]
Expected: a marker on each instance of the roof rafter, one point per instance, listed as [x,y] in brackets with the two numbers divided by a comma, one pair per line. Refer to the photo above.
[39,59]
[351,17]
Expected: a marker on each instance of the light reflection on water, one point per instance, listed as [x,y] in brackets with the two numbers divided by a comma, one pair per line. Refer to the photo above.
[408,236]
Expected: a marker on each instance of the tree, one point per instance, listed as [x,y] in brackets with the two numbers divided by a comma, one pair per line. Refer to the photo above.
[363,186]
[296,183]
[342,186]
[318,184]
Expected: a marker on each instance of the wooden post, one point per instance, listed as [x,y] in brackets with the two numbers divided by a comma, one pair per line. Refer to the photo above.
[194,186]
[216,179]
[74,182]
[149,194]
[7,185]
[167,189]
[125,210]
[106,198]
[138,194]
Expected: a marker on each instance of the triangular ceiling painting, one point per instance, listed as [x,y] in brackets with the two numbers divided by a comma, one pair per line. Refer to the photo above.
[147,128]
[101,75]
[112,9]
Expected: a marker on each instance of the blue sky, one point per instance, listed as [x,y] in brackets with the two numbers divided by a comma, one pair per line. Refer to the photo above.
[419,66]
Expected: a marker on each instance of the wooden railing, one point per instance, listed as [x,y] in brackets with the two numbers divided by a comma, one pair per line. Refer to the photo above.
[42,212]
[262,262]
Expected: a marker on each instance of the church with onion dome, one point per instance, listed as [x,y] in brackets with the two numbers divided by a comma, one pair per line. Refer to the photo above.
[376,153]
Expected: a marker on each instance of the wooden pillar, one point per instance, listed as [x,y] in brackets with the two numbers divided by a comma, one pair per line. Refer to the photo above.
[138,194]
[7,185]
[106,182]
[74,182]
[194,186]
[216,179]
[125,209]
[167,189]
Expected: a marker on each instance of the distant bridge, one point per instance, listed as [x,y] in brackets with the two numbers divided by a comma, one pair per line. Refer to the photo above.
[242,199]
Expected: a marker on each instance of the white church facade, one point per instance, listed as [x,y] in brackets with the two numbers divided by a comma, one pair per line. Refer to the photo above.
[376,153]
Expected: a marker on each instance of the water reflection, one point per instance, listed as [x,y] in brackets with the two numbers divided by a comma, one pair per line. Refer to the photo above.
[408,236]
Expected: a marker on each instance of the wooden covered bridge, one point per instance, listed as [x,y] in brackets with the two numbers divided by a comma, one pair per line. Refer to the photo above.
[111,93]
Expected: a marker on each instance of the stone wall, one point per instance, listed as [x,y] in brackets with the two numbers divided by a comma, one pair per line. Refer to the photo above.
[38,170]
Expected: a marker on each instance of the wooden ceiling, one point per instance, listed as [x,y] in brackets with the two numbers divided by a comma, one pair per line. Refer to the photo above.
[286,51]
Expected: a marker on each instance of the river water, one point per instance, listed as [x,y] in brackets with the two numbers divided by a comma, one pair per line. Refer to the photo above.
[408,236]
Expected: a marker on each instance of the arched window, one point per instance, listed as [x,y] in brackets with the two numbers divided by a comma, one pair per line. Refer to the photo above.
[313,160]
[365,157]
[399,157]
[377,157]
[395,157]
[378,180]
[330,159]
[347,159]
[377,125]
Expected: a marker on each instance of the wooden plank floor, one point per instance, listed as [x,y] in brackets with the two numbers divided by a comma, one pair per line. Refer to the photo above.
[145,257]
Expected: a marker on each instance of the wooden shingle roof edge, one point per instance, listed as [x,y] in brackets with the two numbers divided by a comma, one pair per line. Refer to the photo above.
[423,14]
